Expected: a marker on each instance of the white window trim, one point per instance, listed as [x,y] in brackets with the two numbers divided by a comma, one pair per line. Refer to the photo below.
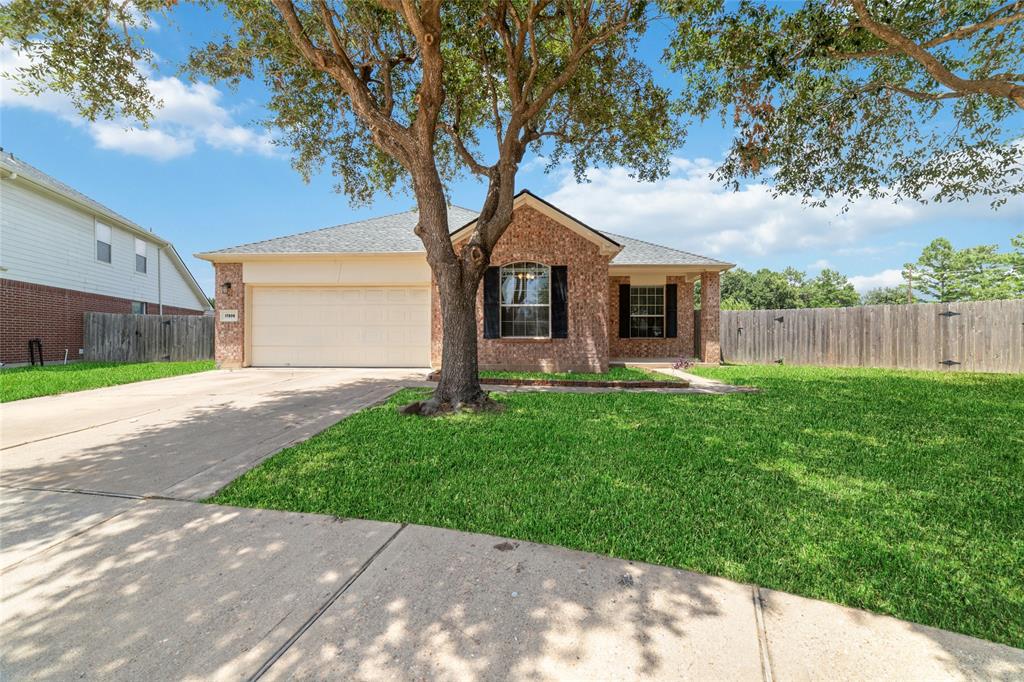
[502,304]
[141,249]
[664,330]
[109,241]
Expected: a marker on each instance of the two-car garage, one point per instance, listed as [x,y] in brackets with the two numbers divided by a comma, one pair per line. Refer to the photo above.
[337,326]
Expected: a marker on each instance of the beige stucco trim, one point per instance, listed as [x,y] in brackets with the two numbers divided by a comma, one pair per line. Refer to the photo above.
[690,272]
[390,270]
[247,329]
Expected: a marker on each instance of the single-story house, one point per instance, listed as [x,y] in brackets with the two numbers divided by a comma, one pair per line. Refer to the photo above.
[560,296]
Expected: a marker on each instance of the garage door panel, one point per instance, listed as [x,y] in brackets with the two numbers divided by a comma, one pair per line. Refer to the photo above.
[341,326]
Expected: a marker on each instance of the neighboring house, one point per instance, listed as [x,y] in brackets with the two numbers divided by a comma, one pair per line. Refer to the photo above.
[63,254]
[560,296]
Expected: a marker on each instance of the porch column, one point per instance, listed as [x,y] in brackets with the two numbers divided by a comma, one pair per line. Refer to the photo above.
[710,303]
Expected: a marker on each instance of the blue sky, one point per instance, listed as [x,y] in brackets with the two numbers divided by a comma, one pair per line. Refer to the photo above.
[204,177]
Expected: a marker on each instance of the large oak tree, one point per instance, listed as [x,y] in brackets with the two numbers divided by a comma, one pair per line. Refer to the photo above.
[391,95]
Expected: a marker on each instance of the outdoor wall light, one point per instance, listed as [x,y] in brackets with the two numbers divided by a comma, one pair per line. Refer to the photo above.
[226,287]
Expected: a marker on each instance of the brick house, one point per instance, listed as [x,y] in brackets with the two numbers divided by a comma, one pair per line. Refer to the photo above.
[63,254]
[560,296]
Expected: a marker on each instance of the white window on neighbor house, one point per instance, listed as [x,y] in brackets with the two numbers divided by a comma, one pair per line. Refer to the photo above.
[526,301]
[140,255]
[647,312]
[102,242]
[138,308]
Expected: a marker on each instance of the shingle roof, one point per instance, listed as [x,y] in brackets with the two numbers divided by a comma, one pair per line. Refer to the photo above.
[394,234]
[639,252]
[387,234]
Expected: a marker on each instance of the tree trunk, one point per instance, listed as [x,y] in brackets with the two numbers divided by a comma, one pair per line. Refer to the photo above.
[458,279]
[460,380]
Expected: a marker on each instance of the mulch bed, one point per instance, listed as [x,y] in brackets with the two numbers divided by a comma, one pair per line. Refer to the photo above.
[435,376]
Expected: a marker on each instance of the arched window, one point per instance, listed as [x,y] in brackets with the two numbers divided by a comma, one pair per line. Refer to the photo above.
[525,300]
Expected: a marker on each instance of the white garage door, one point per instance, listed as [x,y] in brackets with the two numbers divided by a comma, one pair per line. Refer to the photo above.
[340,326]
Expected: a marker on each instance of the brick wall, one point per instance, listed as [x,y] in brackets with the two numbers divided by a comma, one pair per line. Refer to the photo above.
[682,345]
[229,344]
[710,304]
[534,237]
[56,316]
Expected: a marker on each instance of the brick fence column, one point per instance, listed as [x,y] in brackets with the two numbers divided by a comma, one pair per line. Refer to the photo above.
[710,304]
[229,347]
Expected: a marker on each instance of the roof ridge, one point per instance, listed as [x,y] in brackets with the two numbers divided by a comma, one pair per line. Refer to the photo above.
[670,248]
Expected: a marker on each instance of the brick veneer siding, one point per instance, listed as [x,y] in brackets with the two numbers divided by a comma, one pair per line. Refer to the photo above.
[710,304]
[681,345]
[534,237]
[56,316]
[229,344]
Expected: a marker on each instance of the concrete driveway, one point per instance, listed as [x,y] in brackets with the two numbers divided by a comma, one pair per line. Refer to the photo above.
[183,437]
[108,570]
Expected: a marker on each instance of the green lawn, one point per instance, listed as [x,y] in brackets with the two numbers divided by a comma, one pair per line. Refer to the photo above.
[899,492]
[18,383]
[613,374]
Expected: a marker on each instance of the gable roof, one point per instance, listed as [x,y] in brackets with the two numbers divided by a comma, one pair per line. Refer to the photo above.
[605,243]
[394,234]
[19,169]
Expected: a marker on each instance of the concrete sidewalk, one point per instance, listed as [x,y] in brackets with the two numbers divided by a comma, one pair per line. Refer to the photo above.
[160,589]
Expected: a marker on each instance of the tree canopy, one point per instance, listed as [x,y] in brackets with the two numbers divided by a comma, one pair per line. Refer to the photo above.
[914,99]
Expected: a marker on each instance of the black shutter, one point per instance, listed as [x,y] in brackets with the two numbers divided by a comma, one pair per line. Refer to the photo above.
[623,311]
[671,309]
[559,302]
[492,309]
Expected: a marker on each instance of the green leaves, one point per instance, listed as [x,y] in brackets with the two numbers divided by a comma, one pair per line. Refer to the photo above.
[94,52]
[828,109]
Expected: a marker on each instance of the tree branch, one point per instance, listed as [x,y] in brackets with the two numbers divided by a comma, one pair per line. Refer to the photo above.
[932,65]
[993,20]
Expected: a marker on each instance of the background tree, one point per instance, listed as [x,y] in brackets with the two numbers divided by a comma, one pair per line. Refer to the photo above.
[886,296]
[917,99]
[975,273]
[394,94]
[831,289]
[937,272]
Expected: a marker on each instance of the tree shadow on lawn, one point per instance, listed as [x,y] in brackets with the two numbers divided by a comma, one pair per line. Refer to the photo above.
[793,489]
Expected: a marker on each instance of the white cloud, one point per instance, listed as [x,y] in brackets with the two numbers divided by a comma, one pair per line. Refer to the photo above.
[819,264]
[885,278]
[151,142]
[189,113]
[691,211]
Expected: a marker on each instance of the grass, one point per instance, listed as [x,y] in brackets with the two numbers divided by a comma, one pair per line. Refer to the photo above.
[18,383]
[898,492]
[613,374]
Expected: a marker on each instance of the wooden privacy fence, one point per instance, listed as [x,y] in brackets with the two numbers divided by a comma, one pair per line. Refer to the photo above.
[114,337]
[977,336]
